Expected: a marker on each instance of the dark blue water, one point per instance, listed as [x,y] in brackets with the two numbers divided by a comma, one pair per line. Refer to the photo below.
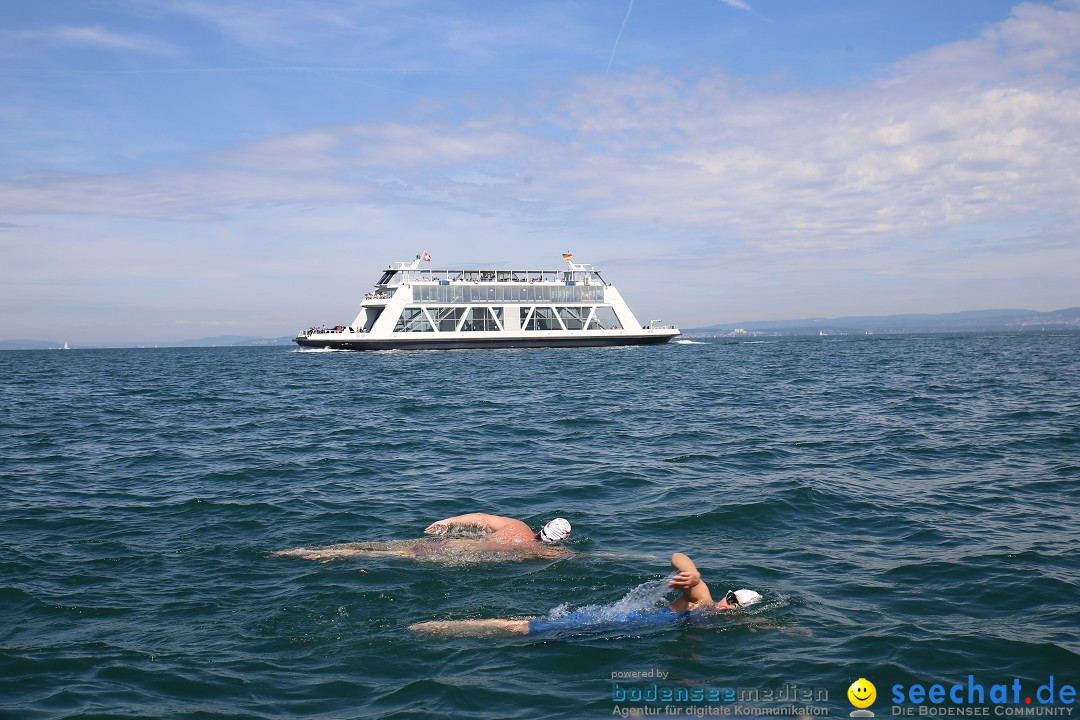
[907,505]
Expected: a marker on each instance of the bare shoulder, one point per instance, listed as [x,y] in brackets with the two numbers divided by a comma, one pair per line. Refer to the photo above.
[510,528]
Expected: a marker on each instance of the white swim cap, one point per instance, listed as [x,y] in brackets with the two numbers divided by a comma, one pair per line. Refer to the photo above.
[747,597]
[555,530]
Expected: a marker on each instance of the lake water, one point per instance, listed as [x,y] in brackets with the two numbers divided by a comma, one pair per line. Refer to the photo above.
[906,504]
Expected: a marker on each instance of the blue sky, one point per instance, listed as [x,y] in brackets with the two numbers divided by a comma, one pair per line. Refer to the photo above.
[187,168]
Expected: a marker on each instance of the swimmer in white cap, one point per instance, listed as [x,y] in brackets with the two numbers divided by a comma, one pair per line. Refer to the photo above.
[503,529]
[481,538]
[695,601]
[695,593]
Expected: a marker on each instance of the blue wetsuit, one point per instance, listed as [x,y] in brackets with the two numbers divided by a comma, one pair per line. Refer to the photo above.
[586,621]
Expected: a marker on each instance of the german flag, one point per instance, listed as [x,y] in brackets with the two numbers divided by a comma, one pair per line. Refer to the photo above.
[567,256]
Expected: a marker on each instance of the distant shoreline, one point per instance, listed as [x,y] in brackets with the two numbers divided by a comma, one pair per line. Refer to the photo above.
[686,335]
[972,321]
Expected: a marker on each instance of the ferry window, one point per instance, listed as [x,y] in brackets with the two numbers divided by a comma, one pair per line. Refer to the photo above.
[605,319]
[413,320]
[502,275]
[573,317]
[498,311]
[446,318]
[552,320]
[372,315]
[479,319]
[543,318]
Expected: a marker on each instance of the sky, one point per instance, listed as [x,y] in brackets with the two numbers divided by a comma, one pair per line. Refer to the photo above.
[192,168]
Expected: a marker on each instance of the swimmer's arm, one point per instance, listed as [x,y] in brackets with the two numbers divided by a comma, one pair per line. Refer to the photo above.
[687,575]
[483,521]
[688,579]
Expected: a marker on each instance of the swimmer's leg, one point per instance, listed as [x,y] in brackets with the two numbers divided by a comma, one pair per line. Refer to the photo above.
[473,628]
[405,548]
[625,556]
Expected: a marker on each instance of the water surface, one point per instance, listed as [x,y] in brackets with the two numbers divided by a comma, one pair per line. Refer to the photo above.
[906,504]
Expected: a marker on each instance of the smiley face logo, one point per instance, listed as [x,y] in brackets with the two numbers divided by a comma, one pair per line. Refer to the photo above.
[862,693]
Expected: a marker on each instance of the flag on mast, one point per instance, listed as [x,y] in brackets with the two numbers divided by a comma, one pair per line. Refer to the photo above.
[567,256]
[425,257]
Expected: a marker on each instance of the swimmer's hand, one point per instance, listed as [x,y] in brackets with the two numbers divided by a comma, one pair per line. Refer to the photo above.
[685,580]
[438,528]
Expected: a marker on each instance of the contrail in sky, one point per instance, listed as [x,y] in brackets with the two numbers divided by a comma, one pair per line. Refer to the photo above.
[629,10]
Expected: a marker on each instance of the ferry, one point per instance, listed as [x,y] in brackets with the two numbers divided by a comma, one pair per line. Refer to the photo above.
[423,309]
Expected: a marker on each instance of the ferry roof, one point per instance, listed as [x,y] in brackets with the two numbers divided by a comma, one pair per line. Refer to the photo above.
[411,272]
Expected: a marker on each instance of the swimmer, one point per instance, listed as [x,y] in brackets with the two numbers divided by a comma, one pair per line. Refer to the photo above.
[503,530]
[695,597]
[500,539]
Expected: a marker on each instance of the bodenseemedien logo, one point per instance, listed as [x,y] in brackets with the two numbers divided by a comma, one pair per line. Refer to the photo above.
[862,694]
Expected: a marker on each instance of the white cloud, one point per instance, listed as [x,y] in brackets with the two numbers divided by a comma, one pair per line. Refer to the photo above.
[99,37]
[368,35]
[738,5]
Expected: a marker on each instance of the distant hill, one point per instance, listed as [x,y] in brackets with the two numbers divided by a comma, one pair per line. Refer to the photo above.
[28,344]
[970,321]
[218,341]
[230,341]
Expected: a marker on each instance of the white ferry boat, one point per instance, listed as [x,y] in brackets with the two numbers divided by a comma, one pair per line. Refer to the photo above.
[427,309]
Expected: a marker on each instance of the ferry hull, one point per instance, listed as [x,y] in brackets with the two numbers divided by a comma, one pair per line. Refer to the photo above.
[657,338]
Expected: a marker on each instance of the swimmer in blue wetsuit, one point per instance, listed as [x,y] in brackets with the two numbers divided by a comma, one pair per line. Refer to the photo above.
[695,596]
